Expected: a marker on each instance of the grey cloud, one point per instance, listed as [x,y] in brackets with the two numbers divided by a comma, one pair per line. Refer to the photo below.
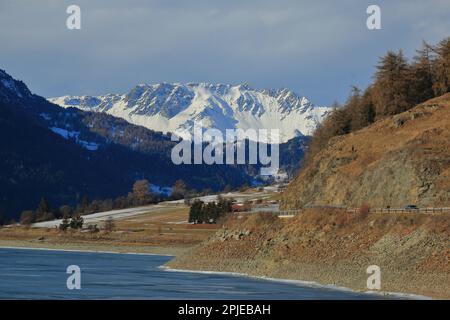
[317,48]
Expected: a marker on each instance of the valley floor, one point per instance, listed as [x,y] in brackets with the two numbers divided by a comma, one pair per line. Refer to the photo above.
[162,231]
[158,229]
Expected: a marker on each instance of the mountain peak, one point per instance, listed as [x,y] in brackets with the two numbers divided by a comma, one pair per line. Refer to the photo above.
[174,107]
[12,89]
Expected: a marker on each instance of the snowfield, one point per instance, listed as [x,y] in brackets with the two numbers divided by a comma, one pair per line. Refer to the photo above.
[100,217]
[174,108]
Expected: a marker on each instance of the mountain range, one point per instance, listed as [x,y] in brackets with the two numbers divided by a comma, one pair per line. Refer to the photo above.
[175,107]
[64,154]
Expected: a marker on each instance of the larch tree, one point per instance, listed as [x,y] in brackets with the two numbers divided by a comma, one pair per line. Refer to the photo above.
[391,87]
[441,67]
[141,190]
[421,74]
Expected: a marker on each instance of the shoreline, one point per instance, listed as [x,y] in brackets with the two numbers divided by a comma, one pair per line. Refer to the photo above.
[95,248]
[85,251]
[333,249]
[304,283]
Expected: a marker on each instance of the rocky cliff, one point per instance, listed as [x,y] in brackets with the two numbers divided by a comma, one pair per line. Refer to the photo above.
[403,159]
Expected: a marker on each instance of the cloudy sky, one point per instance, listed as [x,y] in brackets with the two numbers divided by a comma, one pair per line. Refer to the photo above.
[316,48]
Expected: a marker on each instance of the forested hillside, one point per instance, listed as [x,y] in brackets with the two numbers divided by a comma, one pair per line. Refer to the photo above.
[385,147]
[398,85]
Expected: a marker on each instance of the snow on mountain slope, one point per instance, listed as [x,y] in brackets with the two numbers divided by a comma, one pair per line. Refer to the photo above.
[175,107]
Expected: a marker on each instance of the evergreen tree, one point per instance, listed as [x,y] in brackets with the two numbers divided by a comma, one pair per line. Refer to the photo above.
[76,222]
[196,212]
[224,205]
[211,213]
[64,223]
[84,206]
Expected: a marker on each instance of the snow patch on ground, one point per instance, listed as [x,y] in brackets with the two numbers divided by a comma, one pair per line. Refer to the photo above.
[11,86]
[167,191]
[66,134]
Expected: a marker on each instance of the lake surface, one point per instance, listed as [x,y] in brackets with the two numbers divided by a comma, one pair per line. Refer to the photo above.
[41,274]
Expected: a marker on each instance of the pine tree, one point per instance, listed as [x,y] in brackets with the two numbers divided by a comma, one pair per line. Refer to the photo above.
[85,202]
[76,222]
[196,212]
[64,223]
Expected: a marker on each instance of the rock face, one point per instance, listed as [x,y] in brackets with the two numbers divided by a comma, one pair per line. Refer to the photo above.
[404,159]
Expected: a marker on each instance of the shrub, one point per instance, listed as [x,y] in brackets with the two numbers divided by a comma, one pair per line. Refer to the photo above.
[64,224]
[363,211]
[109,225]
[93,228]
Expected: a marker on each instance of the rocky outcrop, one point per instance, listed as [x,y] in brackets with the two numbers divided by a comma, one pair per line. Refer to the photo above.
[225,234]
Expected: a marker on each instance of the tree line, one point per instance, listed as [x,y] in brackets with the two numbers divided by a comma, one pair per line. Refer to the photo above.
[398,85]
[140,195]
[201,212]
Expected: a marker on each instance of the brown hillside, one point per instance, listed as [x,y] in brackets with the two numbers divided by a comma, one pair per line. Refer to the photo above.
[396,161]
[331,246]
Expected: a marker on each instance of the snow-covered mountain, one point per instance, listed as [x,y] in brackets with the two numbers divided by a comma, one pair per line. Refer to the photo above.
[175,107]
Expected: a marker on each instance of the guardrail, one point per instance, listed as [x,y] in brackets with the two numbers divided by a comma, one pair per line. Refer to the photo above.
[290,213]
[403,210]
